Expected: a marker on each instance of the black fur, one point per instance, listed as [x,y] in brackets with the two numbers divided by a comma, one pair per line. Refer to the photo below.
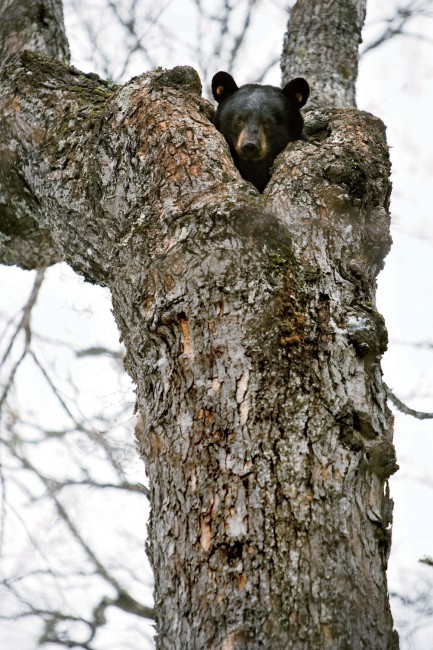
[258,121]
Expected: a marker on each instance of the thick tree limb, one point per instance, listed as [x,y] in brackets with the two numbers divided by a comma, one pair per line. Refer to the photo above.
[35,25]
[321,45]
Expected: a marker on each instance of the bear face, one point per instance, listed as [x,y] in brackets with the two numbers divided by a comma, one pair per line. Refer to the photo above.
[257,122]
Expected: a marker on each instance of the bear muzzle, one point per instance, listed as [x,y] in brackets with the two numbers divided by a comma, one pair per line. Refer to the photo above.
[252,144]
[250,149]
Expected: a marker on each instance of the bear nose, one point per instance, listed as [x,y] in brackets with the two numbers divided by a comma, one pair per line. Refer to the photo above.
[250,148]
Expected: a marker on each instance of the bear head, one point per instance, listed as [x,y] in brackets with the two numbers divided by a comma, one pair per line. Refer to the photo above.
[258,121]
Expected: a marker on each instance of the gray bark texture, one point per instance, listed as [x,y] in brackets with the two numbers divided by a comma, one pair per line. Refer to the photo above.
[252,336]
[321,44]
[35,25]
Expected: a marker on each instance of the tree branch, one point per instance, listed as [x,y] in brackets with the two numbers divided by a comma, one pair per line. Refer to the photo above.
[35,25]
[419,415]
[327,58]
[23,325]
[396,25]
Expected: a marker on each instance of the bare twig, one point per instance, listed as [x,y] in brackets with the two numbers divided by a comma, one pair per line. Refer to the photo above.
[396,25]
[420,415]
[23,325]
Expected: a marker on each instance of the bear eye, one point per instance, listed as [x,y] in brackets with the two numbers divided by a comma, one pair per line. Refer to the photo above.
[269,121]
[238,120]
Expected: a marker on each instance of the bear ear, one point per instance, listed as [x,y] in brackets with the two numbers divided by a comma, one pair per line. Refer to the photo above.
[297,91]
[223,85]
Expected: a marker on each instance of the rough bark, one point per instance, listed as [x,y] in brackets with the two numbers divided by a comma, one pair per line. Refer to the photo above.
[35,25]
[321,44]
[252,336]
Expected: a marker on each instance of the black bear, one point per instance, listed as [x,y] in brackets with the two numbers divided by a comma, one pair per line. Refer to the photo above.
[258,121]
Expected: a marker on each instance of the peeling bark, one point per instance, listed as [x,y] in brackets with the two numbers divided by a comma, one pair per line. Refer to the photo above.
[252,336]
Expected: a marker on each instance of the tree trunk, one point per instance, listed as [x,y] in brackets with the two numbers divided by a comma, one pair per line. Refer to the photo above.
[251,334]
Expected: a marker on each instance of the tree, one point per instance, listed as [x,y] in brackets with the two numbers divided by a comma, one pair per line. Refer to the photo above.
[250,328]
